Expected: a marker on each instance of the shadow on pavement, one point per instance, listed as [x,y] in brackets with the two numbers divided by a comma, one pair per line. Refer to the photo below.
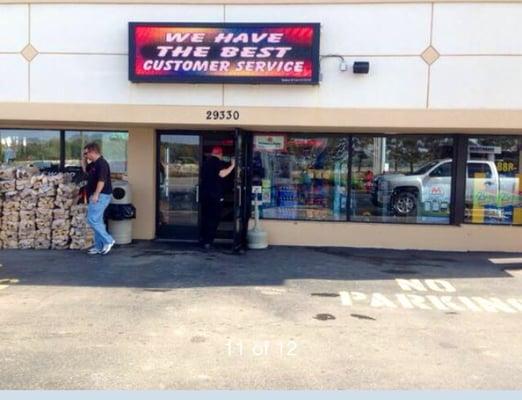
[165,266]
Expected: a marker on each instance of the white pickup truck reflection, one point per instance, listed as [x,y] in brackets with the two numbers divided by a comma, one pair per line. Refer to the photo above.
[430,186]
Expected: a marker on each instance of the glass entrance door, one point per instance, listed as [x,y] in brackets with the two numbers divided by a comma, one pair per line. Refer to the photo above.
[179,163]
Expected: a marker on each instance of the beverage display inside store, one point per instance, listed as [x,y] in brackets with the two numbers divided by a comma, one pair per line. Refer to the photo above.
[305,180]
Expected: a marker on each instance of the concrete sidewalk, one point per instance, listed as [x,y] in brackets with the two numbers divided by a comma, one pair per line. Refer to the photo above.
[155,315]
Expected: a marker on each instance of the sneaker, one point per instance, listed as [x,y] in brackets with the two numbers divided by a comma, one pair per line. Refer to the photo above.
[94,250]
[107,247]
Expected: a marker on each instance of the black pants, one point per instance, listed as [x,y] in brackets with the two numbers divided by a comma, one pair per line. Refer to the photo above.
[211,209]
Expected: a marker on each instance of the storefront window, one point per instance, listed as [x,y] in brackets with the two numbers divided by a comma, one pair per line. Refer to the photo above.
[38,148]
[493,180]
[404,179]
[302,178]
[113,146]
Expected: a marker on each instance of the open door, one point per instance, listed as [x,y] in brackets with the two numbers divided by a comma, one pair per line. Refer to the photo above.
[242,188]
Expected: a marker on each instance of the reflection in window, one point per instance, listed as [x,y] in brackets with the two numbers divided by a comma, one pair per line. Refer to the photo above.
[113,146]
[301,177]
[401,179]
[38,148]
[493,180]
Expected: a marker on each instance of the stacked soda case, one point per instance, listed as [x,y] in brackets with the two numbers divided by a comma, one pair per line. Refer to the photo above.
[287,196]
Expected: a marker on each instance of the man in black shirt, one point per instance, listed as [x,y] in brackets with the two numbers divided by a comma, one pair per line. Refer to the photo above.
[99,193]
[215,170]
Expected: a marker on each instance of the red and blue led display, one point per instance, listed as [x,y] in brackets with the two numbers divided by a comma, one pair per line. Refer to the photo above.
[224,53]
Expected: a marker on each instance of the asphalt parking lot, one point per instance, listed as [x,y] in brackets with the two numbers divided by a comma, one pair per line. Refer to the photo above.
[159,316]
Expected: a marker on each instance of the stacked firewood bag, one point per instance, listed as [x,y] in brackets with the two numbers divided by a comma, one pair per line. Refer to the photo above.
[81,234]
[40,211]
[10,209]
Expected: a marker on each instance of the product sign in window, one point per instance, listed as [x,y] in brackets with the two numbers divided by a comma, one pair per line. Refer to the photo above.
[493,187]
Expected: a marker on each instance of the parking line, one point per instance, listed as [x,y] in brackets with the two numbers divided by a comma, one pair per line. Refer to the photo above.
[506,260]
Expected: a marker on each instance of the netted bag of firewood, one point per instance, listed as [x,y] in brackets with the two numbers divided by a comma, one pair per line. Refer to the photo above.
[66,195]
[11,206]
[41,243]
[63,203]
[42,238]
[22,184]
[60,233]
[10,243]
[60,178]
[60,227]
[47,191]
[7,186]
[10,216]
[44,186]
[78,215]
[60,243]
[44,218]
[12,195]
[81,234]
[79,221]
[60,214]
[28,216]
[81,238]
[27,193]
[28,204]
[7,173]
[46,202]
[55,179]
[69,190]
[79,209]
[27,226]
[26,172]
[9,235]
[26,243]
[28,199]
[37,181]
[9,230]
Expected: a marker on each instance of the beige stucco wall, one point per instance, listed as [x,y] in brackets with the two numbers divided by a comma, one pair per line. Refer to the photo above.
[395,236]
[423,55]
[142,177]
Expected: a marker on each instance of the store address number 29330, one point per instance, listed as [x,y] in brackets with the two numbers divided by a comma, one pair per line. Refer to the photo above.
[222,115]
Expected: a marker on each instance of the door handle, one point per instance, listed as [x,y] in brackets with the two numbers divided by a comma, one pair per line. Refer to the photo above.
[197,193]
[240,195]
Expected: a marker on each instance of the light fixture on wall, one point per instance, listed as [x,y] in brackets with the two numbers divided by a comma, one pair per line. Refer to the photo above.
[361,67]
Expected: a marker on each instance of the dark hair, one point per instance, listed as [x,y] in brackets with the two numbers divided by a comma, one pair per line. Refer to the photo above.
[93,146]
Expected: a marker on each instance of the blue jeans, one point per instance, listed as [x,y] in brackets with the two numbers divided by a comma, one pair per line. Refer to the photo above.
[95,219]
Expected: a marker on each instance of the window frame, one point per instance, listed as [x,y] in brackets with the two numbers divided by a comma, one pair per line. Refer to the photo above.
[457,140]
[62,138]
[59,131]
